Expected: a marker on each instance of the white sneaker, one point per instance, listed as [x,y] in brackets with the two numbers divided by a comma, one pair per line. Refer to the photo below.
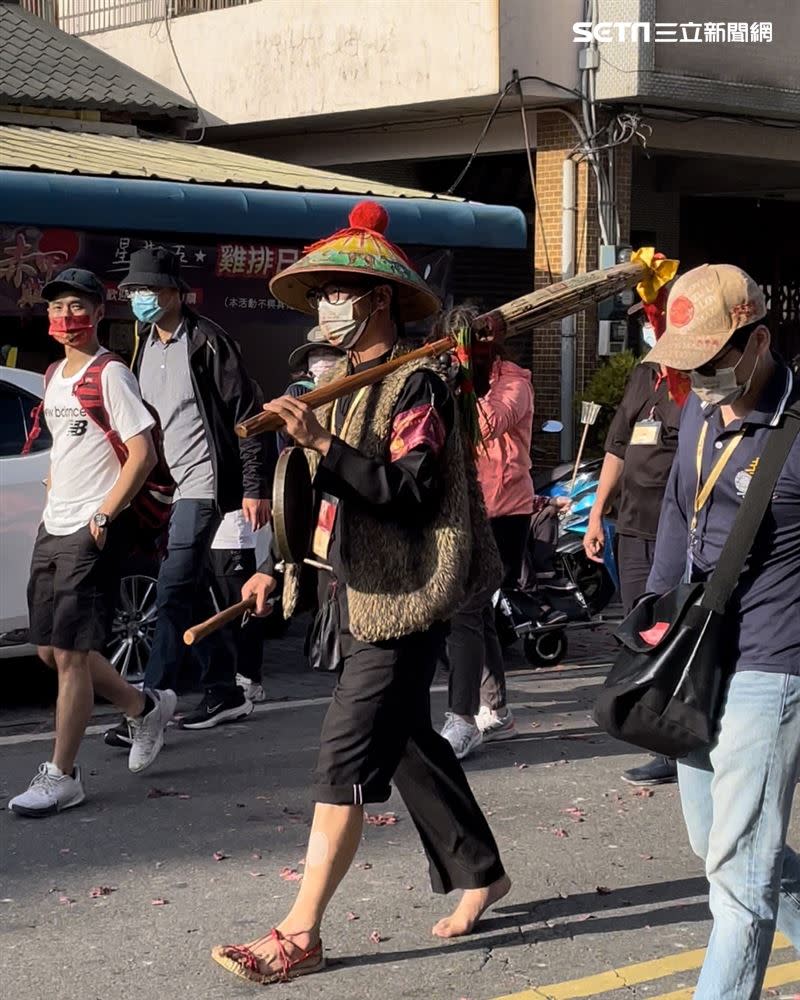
[49,792]
[462,736]
[148,732]
[252,690]
[495,725]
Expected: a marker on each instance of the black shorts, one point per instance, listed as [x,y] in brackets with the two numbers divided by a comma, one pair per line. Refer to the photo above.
[382,700]
[73,586]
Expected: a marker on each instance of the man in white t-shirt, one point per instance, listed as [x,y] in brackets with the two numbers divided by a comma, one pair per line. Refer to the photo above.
[84,535]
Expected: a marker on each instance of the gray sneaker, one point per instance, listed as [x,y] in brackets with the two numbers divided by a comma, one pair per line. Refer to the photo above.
[148,731]
[462,736]
[495,725]
[49,792]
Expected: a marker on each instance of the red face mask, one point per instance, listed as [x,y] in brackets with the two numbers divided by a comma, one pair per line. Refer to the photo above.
[72,331]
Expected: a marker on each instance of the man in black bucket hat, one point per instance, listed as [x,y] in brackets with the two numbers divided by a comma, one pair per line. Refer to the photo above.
[192,373]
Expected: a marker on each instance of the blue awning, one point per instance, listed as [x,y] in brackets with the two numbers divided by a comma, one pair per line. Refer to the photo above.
[116,204]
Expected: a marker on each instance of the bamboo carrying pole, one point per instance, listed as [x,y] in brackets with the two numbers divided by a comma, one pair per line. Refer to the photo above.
[520,316]
[198,632]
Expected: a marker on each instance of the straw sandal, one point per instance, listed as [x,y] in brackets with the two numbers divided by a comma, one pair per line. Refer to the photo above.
[244,963]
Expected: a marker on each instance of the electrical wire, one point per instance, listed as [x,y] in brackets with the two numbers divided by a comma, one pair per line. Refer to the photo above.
[481,137]
[200,112]
[531,171]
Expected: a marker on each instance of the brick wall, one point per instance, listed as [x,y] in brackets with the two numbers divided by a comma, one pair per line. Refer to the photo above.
[556,137]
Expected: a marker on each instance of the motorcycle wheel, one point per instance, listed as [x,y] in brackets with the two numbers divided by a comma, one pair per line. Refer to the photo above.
[545,649]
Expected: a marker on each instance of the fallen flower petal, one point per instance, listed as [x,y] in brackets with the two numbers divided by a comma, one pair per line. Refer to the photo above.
[257,874]
[364,866]
[159,902]
[100,890]
[560,832]
[380,819]
[646,857]
[290,874]
[66,900]
[521,767]
[375,937]
[351,915]
[256,855]
[219,856]
[576,814]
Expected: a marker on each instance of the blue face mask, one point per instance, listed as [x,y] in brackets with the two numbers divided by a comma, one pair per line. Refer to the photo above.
[146,308]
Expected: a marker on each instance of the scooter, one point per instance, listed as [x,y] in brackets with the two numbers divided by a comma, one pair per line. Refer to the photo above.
[560,589]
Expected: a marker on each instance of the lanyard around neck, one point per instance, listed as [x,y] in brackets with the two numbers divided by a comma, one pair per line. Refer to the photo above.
[702,493]
[350,413]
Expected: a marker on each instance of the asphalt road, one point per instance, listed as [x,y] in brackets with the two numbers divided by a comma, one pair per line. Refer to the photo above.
[608,883]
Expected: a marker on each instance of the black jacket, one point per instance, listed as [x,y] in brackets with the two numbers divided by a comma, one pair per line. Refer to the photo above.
[243,467]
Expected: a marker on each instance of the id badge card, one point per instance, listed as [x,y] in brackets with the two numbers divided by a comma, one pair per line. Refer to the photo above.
[321,542]
[647,432]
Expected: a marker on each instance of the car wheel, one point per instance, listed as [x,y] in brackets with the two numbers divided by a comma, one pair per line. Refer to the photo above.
[133,626]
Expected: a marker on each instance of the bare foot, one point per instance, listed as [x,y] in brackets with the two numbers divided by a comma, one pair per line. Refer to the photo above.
[471,908]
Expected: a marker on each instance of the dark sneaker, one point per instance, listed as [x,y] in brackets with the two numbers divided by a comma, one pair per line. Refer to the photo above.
[120,736]
[660,771]
[214,709]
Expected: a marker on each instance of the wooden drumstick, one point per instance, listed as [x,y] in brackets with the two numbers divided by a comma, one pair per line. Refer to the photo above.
[198,632]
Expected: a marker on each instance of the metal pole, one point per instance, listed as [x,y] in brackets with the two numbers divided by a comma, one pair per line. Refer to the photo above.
[568,216]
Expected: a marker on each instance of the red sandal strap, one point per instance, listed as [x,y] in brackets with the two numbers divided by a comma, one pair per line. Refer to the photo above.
[249,960]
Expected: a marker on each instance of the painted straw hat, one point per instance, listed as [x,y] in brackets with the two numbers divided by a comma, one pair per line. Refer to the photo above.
[361,251]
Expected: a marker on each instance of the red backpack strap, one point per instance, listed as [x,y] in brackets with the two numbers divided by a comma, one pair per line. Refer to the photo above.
[89,393]
[36,412]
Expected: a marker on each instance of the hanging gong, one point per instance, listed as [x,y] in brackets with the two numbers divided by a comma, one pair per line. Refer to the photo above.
[292,506]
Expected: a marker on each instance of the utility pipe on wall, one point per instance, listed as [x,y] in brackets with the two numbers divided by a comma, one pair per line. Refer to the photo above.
[568,219]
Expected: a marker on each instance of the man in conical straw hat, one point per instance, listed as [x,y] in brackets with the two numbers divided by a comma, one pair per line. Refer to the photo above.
[403,530]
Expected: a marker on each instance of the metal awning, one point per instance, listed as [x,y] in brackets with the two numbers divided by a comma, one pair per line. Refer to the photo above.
[88,181]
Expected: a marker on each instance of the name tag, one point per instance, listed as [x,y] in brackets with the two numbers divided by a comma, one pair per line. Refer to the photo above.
[647,432]
[321,541]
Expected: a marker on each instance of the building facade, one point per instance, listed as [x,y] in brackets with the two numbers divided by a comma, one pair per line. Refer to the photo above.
[690,114]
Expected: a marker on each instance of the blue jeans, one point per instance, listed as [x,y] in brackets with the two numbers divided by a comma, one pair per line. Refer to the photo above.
[737,798]
[183,581]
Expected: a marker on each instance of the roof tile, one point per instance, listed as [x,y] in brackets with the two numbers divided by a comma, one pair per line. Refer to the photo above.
[43,66]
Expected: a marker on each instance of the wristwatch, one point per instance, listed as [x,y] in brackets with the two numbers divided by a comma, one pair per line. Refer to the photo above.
[101,520]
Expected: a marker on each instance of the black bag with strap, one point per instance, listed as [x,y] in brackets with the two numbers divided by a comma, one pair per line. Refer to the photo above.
[664,690]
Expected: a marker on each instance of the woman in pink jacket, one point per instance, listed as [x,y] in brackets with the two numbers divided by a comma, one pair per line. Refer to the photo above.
[477,687]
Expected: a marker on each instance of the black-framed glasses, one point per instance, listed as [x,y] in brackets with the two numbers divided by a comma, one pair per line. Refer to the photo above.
[334,294]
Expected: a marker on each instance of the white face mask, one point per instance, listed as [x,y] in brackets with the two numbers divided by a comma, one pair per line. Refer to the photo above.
[321,363]
[721,388]
[338,324]
[648,335]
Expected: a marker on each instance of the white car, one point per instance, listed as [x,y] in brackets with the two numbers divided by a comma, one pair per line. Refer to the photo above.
[22,498]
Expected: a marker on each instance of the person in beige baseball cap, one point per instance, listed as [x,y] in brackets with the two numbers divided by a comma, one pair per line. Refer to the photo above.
[736,793]
[712,312]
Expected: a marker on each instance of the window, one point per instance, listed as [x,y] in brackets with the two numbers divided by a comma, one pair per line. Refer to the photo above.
[16,421]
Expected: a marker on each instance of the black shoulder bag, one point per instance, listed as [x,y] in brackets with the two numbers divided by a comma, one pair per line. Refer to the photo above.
[664,690]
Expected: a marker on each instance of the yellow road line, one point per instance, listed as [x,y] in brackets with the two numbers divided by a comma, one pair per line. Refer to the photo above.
[777,975]
[629,975]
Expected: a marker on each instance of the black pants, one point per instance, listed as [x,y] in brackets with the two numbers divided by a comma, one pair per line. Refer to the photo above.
[634,559]
[243,644]
[477,673]
[378,729]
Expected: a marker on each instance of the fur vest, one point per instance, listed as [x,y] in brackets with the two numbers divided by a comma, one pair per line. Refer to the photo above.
[403,577]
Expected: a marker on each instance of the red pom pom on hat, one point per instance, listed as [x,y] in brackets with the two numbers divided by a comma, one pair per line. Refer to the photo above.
[369,215]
